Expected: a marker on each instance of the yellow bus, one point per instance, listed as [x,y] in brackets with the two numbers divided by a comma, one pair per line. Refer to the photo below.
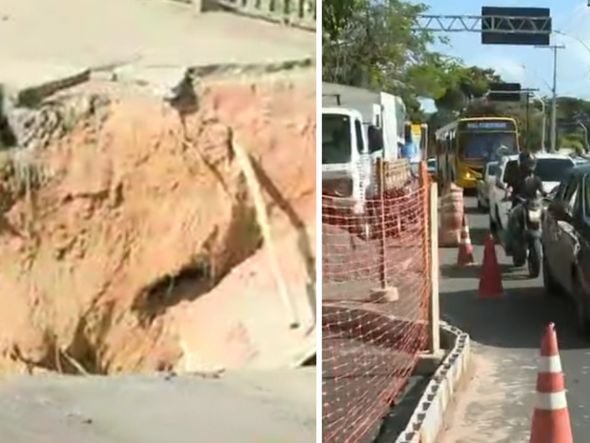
[464,146]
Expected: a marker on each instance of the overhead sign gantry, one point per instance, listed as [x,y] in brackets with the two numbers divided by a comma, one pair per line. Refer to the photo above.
[508,26]
[504,26]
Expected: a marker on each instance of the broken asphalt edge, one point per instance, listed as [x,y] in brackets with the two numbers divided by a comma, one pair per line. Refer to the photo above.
[427,420]
[32,94]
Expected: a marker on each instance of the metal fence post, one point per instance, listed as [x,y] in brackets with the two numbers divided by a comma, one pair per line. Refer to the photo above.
[434,308]
[381,193]
[431,256]
[384,293]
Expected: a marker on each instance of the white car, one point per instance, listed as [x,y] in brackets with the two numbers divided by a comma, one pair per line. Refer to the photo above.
[485,184]
[551,168]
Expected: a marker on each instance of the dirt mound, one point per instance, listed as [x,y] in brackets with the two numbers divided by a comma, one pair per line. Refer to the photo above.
[131,242]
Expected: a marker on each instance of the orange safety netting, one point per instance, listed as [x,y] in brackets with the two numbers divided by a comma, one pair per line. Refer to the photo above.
[376,286]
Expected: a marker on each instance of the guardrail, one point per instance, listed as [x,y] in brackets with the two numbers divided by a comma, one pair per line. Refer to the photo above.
[299,13]
[377,287]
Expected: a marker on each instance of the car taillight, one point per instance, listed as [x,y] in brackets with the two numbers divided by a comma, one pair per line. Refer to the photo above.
[341,187]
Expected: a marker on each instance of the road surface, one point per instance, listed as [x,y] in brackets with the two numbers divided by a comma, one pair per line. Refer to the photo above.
[146,40]
[246,406]
[496,402]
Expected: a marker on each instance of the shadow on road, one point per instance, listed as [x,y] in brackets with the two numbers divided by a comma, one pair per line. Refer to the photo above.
[473,271]
[399,416]
[472,210]
[478,235]
[509,272]
[526,310]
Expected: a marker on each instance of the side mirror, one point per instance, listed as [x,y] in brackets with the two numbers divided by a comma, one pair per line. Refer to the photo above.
[375,139]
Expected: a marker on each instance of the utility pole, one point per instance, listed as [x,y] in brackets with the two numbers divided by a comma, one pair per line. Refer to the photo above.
[528,136]
[554,48]
[585,129]
[544,124]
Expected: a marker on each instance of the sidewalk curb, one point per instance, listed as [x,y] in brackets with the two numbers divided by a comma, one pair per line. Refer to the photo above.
[427,420]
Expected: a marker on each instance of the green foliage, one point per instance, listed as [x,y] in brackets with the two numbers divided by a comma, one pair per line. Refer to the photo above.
[373,44]
[463,85]
[336,14]
[572,141]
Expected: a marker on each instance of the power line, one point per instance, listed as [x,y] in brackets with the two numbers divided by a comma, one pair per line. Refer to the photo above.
[580,41]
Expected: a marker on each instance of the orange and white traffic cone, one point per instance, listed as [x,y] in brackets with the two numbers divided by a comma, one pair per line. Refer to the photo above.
[490,279]
[551,419]
[465,252]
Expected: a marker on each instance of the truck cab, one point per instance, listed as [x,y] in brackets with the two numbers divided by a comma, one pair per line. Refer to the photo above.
[348,155]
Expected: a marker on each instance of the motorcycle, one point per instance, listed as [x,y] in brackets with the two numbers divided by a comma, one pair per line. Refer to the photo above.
[526,239]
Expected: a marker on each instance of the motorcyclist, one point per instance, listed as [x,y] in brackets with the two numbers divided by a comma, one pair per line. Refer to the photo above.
[524,186]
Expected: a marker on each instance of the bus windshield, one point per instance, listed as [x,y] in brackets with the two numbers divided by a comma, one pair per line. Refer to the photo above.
[486,145]
[336,141]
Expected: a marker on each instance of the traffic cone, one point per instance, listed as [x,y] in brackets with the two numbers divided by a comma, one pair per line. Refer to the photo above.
[551,419]
[465,253]
[490,280]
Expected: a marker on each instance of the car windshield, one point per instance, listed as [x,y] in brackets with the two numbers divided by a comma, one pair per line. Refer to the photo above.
[488,146]
[552,169]
[336,141]
[548,169]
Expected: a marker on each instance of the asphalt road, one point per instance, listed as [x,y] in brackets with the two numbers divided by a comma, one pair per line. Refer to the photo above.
[148,41]
[242,406]
[496,402]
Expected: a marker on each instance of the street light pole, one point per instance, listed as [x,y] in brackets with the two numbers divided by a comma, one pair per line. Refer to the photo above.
[554,101]
[544,122]
[543,108]
[585,129]
[554,92]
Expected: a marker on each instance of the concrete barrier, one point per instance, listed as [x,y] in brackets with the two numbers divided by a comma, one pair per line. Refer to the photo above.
[427,420]
[300,13]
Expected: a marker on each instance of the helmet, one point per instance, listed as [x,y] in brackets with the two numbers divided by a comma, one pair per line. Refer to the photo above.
[529,164]
[523,157]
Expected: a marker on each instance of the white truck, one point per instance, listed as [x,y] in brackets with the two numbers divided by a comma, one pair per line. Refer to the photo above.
[358,126]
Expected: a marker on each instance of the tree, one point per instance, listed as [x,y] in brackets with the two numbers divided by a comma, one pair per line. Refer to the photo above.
[374,45]
[465,84]
[336,15]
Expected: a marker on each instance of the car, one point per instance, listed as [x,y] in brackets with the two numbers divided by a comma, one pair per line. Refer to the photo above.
[551,168]
[566,243]
[578,160]
[485,184]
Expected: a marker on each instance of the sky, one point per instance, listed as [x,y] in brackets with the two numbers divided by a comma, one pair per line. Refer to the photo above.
[531,67]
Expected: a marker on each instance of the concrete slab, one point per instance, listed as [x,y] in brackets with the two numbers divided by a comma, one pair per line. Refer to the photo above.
[98,34]
[250,407]
[26,80]
[55,43]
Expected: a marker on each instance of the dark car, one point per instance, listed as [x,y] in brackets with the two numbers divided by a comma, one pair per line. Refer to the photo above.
[566,243]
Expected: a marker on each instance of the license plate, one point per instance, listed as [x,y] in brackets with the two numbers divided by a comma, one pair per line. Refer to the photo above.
[535,216]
